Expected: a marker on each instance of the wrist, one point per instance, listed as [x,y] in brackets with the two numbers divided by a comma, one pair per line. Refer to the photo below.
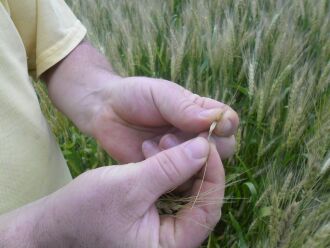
[79,84]
[91,104]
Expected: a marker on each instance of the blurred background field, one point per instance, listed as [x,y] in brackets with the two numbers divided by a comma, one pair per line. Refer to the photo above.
[270,60]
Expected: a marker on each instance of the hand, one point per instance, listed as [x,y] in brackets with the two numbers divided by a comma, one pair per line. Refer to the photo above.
[130,117]
[140,114]
[115,206]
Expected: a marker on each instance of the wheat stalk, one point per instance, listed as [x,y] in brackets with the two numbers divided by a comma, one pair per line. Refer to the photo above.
[212,127]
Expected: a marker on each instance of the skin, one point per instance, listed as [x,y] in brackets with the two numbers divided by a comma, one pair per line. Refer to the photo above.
[149,125]
[131,110]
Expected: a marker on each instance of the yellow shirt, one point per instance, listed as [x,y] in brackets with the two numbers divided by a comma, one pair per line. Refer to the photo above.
[34,35]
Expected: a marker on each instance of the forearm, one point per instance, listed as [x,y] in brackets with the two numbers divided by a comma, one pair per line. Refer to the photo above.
[77,83]
[20,228]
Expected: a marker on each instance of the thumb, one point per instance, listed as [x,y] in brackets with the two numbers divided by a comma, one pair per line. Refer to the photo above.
[172,167]
[191,112]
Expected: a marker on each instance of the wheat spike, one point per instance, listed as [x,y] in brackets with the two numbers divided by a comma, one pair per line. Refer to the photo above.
[320,238]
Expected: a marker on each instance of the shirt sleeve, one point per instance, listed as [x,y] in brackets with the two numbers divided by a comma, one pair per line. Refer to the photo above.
[49,30]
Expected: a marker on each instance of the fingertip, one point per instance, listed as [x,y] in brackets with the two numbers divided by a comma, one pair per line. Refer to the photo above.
[197,148]
[228,124]
[225,146]
[149,148]
[234,118]
[168,141]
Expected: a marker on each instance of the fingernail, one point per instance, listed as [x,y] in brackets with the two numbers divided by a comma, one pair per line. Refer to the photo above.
[197,148]
[211,113]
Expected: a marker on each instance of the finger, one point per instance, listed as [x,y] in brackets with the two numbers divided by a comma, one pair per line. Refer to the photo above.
[225,145]
[191,112]
[228,120]
[150,148]
[212,178]
[170,168]
[192,225]
[170,140]
[166,142]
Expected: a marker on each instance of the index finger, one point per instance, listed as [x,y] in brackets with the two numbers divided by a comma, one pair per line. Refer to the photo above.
[227,121]
[191,112]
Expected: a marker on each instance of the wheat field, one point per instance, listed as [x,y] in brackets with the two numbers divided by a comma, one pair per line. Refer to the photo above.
[270,60]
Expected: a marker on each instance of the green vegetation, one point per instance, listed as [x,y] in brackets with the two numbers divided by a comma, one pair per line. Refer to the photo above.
[270,60]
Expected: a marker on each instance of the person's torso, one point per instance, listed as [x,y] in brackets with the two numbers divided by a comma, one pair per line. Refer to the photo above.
[31,164]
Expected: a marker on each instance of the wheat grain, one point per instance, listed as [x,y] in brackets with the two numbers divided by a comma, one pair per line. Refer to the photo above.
[286,225]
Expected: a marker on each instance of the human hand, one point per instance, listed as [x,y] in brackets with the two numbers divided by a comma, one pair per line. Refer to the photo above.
[131,116]
[138,113]
[115,206]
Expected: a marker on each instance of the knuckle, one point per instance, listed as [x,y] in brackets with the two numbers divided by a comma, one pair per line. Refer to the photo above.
[187,93]
[194,98]
[167,167]
[202,101]
[185,105]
